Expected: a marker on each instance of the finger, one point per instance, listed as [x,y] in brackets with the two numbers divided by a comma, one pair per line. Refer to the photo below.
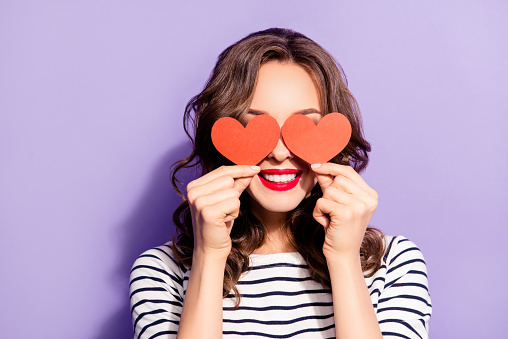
[229,211]
[205,186]
[347,185]
[359,204]
[351,188]
[339,196]
[242,183]
[324,180]
[215,214]
[203,201]
[220,183]
[335,170]
[331,210]
[215,185]
[236,171]
[230,218]
[323,210]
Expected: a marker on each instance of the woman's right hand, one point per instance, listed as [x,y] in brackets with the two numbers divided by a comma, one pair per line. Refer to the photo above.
[214,201]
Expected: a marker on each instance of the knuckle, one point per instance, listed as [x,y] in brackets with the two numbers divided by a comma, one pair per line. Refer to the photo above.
[228,181]
[373,204]
[236,203]
[242,185]
[375,194]
[320,202]
[223,168]
[348,213]
[232,204]
[191,195]
[189,186]
[332,193]
[361,207]
[198,203]
[207,213]
[340,180]
[350,169]
[231,192]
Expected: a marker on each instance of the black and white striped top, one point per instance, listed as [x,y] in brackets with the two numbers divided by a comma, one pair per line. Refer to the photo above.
[279,299]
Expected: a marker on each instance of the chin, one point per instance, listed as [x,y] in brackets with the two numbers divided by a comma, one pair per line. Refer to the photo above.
[265,200]
[279,206]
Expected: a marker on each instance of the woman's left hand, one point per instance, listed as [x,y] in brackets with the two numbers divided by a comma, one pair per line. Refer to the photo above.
[344,210]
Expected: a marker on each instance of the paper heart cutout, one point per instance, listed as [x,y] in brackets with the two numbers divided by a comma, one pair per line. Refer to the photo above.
[249,145]
[316,144]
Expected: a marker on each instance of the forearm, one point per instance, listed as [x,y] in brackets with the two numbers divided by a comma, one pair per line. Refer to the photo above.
[353,311]
[202,307]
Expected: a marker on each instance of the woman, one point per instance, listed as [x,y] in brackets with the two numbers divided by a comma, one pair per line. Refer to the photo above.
[262,254]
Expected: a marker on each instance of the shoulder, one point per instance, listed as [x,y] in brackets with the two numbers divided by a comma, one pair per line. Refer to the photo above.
[403,303]
[159,263]
[399,249]
[156,292]
[404,264]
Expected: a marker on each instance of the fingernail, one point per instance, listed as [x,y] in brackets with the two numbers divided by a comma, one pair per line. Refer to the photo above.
[315,165]
[256,168]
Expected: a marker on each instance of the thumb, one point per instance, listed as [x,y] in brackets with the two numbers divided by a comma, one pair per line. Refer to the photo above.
[321,212]
[242,183]
[324,179]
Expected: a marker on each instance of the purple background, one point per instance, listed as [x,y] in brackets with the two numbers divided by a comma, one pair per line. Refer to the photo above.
[91,99]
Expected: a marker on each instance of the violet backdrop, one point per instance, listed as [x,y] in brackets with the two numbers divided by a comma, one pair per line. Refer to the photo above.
[91,101]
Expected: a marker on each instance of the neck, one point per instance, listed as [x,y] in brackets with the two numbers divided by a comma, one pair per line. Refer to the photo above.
[276,237]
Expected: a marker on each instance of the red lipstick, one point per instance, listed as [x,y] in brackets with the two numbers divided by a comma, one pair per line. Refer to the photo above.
[280,186]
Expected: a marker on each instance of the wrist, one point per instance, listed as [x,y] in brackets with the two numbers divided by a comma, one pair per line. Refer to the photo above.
[209,257]
[345,267]
[343,259]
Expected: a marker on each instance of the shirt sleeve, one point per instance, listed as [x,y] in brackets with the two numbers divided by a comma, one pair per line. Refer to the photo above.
[156,294]
[404,305]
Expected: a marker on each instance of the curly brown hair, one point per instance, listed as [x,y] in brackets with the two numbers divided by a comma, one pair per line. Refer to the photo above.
[229,92]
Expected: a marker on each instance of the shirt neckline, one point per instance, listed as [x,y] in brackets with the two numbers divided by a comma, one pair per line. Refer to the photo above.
[273,258]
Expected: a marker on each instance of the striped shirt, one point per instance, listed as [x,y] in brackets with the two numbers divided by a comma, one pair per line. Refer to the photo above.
[279,299]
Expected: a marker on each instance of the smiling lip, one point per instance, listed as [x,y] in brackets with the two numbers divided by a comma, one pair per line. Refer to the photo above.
[280,186]
[280,171]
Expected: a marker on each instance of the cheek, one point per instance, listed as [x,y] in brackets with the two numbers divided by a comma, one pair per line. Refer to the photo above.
[311,182]
[255,181]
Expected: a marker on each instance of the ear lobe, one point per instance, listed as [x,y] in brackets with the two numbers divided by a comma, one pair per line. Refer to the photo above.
[316,144]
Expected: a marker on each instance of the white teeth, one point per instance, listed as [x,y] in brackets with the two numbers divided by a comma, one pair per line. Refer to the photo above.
[283,178]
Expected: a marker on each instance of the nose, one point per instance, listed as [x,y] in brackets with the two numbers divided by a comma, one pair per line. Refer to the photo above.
[280,152]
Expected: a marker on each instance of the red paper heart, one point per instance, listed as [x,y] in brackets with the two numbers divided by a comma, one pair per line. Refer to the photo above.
[249,145]
[316,144]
